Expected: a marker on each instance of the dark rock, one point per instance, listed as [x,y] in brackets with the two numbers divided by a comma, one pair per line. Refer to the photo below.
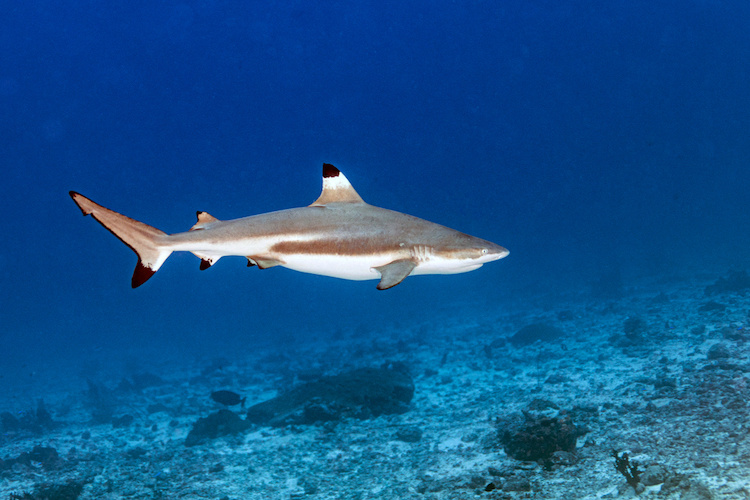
[221,423]
[144,380]
[319,411]
[664,381]
[498,343]
[536,332]
[736,334]
[476,482]
[566,315]
[698,330]
[734,282]
[723,365]
[541,405]
[136,452]
[310,374]
[102,402]
[123,421]
[654,474]
[31,421]
[564,458]
[718,351]
[68,491]
[712,306]
[517,484]
[584,413]
[310,487]
[125,386]
[471,437]
[46,456]
[635,330]
[539,437]
[683,487]
[634,326]
[557,378]
[487,350]
[362,393]
[43,417]
[409,434]
[157,408]
[429,484]
[8,422]
[495,472]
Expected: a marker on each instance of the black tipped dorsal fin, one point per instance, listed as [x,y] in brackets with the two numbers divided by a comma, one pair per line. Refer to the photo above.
[203,219]
[336,188]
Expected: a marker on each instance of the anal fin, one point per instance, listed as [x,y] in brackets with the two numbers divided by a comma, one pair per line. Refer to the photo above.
[206,260]
[262,262]
[394,273]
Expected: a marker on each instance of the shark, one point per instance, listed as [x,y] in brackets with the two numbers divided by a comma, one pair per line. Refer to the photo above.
[338,235]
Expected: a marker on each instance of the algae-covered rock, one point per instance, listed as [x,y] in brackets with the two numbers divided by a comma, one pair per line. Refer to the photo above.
[536,332]
[362,393]
[221,423]
[540,437]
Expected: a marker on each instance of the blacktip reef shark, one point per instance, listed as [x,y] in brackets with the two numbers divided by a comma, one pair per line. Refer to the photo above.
[339,235]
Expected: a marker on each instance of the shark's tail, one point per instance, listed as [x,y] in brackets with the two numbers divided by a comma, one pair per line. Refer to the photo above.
[147,242]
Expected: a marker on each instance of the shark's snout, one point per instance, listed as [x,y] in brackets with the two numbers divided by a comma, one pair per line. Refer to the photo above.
[491,252]
[497,252]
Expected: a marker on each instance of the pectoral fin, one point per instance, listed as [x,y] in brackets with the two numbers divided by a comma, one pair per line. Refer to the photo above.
[394,273]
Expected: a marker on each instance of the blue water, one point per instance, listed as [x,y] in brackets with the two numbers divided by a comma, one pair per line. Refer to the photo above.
[587,138]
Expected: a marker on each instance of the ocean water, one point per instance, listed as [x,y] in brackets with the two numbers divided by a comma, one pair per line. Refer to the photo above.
[606,145]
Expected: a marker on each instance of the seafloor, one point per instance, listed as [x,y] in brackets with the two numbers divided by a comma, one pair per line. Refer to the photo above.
[658,370]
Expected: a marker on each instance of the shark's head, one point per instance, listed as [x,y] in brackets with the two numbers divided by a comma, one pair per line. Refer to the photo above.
[459,253]
[473,252]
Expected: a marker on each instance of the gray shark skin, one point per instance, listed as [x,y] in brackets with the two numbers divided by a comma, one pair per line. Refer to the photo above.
[339,235]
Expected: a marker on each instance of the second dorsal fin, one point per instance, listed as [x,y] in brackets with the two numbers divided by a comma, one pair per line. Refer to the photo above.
[204,218]
[336,188]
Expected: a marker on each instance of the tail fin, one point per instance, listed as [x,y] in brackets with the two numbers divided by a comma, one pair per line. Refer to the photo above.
[146,241]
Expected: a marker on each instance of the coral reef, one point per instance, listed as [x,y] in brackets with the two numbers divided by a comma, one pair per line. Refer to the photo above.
[539,437]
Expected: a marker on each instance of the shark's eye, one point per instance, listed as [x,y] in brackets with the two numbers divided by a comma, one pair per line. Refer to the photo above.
[484,251]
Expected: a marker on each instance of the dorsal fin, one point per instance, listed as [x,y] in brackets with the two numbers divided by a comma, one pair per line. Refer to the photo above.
[203,219]
[336,188]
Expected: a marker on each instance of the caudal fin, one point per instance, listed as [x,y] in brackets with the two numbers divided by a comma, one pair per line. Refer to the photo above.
[147,242]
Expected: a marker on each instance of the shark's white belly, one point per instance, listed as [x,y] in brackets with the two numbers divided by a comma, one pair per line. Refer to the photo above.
[363,267]
[336,266]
